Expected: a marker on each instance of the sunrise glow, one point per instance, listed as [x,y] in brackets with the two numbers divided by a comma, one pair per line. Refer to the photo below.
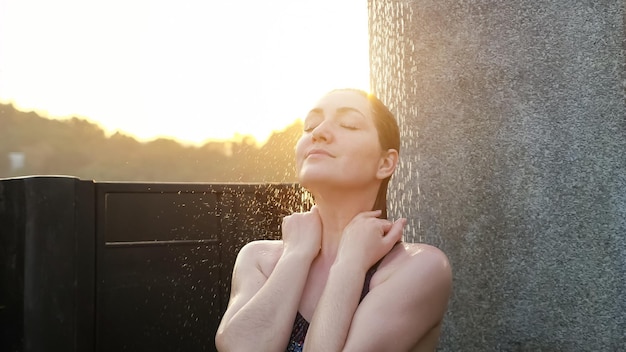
[190,70]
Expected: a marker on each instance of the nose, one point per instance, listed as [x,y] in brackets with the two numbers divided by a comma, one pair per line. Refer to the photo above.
[322,133]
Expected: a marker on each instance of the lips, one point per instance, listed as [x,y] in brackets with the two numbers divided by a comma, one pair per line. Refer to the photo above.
[317,151]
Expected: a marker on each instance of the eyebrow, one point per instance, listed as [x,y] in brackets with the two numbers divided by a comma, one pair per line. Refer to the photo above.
[341,110]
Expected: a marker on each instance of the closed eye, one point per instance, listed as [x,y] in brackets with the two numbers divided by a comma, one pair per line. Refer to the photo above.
[312,121]
[309,126]
[350,127]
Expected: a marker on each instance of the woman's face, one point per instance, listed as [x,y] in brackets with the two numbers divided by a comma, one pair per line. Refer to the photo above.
[340,144]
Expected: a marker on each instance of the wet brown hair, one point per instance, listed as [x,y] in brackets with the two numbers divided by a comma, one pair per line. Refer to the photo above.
[388,137]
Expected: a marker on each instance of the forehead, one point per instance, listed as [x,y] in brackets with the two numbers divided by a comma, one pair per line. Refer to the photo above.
[339,100]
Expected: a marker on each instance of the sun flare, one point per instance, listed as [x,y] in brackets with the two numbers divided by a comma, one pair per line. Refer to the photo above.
[191,70]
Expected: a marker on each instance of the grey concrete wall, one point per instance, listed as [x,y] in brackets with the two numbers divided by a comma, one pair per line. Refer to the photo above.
[513,119]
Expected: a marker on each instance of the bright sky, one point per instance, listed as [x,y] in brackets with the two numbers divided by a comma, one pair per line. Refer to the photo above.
[189,69]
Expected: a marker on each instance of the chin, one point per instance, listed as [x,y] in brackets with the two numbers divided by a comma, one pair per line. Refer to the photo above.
[324,182]
[308,182]
[313,180]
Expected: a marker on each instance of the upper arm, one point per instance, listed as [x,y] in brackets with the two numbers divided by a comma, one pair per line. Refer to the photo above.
[398,312]
[247,278]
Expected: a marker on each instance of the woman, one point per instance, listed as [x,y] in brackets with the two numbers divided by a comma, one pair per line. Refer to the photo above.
[340,276]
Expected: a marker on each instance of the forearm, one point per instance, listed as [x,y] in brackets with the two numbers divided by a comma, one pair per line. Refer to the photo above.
[264,323]
[332,318]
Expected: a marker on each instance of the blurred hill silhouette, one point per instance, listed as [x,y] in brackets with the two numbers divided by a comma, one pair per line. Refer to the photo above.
[33,145]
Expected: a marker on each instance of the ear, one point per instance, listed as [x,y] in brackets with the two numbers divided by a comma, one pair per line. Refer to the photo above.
[387,164]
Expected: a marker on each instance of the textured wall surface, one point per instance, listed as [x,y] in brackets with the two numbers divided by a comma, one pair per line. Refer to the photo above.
[513,119]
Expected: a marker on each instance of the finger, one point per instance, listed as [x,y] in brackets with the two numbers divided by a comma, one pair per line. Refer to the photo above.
[371,213]
[386,226]
[395,232]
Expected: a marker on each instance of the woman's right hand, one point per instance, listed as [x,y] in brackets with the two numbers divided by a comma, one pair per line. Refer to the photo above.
[302,233]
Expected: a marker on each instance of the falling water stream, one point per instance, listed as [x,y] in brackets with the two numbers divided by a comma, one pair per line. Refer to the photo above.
[391,53]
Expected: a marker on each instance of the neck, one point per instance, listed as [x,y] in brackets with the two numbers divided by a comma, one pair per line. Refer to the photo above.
[337,209]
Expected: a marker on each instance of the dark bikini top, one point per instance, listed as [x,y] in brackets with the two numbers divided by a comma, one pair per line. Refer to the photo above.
[301,326]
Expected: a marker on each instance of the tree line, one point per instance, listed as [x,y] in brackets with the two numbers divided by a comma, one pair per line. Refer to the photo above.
[34,145]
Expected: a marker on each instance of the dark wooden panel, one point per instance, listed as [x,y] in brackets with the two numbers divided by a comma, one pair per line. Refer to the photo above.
[125,266]
[159,298]
[167,216]
[48,264]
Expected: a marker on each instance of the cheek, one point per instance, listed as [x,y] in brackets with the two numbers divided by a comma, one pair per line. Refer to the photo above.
[301,146]
[365,159]
[366,148]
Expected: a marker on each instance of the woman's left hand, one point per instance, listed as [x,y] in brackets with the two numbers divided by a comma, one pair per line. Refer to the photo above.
[367,238]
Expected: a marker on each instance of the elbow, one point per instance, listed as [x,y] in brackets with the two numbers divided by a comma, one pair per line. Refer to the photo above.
[226,341]
[221,341]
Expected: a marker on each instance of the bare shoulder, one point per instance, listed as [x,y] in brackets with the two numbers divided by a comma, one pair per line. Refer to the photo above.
[409,292]
[416,261]
[262,247]
[421,253]
[262,253]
